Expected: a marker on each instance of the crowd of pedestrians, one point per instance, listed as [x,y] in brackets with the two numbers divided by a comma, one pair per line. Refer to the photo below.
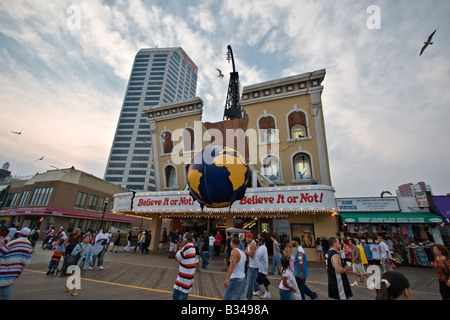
[245,261]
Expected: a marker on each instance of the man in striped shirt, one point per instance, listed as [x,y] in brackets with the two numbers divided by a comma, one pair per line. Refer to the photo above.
[186,259]
[14,256]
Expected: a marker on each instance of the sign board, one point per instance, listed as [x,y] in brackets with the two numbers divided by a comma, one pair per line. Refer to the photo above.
[277,199]
[422,200]
[389,204]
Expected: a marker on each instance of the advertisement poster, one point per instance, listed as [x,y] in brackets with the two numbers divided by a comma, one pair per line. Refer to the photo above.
[306,234]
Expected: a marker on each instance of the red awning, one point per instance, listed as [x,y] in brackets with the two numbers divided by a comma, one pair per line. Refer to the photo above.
[44,211]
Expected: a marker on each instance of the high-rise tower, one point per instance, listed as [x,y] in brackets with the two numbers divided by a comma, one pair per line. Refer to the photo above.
[159,75]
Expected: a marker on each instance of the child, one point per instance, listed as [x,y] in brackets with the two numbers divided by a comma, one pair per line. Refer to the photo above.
[287,281]
[54,261]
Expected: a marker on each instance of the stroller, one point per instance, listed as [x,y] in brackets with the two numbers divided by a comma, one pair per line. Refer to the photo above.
[50,243]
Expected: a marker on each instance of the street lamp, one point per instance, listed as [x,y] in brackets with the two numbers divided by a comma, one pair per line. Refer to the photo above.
[104,209]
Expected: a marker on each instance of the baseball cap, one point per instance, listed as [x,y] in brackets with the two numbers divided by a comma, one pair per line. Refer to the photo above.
[249,235]
[25,231]
[261,240]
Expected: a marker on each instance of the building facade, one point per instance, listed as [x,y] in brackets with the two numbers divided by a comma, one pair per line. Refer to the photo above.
[290,193]
[64,197]
[159,75]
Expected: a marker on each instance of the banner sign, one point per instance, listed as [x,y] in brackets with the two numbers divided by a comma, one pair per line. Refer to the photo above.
[277,199]
[367,204]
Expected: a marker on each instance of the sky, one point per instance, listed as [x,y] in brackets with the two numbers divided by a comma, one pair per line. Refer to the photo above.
[64,68]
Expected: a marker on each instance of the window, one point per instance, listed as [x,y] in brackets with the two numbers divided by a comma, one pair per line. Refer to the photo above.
[92,205]
[297,125]
[298,131]
[268,132]
[302,166]
[188,140]
[170,174]
[24,199]
[11,199]
[166,142]
[81,200]
[41,196]
[271,168]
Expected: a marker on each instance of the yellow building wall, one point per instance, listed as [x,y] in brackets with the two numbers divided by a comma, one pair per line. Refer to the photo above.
[175,125]
[286,149]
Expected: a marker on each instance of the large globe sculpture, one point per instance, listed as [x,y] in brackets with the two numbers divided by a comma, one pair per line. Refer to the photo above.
[218,176]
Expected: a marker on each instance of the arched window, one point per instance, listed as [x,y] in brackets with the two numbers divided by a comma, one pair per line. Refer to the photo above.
[297,125]
[271,168]
[267,129]
[166,142]
[170,174]
[298,131]
[302,166]
[188,140]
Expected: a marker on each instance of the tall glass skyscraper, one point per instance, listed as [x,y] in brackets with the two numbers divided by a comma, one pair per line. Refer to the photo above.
[159,75]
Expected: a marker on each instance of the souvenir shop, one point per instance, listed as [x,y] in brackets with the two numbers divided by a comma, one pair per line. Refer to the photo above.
[410,235]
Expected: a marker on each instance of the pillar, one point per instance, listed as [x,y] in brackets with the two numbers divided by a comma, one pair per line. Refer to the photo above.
[156,231]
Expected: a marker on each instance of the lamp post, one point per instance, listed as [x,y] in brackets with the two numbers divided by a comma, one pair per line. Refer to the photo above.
[103,215]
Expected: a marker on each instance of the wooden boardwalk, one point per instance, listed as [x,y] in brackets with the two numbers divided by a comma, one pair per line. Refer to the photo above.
[131,276]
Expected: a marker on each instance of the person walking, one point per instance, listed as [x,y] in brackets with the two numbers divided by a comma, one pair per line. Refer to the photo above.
[204,251]
[72,240]
[442,266]
[129,237]
[211,246]
[276,255]
[116,242]
[217,243]
[4,239]
[235,280]
[357,263]
[338,284]
[48,236]
[173,244]
[385,254]
[301,270]
[56,257]
[85,249]
[14,256]
[99,249]
[253,266]
[286,286]
[227,252]
[186,270]
[82,252]
[263,261]
[142,240]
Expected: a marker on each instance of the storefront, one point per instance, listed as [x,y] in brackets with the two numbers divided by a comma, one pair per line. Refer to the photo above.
[304,211]
[441,206]
[410,235]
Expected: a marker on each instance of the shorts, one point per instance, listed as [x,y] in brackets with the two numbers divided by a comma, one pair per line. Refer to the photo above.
[173,247]
[358,268]
[262,279]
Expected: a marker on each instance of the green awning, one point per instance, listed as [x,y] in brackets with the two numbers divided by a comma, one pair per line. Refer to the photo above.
[391,217]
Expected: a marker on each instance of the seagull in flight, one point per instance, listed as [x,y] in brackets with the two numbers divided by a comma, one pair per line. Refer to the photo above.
[426,43]
[17,132]
[220,73]
[41,158]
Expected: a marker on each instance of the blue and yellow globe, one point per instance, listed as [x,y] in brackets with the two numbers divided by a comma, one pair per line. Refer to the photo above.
[218,176]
